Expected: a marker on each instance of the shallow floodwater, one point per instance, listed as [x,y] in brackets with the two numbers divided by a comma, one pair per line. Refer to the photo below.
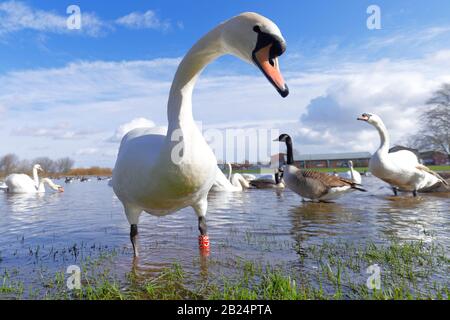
[262,225]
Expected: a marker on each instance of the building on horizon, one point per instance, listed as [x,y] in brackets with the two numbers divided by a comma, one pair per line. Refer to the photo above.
[325,160]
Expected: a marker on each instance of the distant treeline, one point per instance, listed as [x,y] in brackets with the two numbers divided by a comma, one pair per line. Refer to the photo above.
[92,171]
[11,163]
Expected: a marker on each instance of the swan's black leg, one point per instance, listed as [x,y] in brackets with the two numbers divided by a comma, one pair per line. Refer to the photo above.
[133,237]
[415,193]
[395,190]
[202,226]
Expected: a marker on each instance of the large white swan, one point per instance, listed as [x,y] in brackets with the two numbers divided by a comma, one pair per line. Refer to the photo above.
[22,183]
[234,182]
[401,169]
[161,174]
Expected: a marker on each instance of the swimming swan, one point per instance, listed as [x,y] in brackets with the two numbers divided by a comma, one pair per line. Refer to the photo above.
[22,183]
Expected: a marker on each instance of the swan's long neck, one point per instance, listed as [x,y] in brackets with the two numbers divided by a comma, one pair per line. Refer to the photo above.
[384,137]
[351,171]
[230,169]
[277,178]
[36,177]
[179,109]
[49,183]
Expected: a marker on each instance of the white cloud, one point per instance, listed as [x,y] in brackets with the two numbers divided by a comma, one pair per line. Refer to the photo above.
[16,16]
[145,20]
[87,151]
[127,127]
[85,83]
[410,38]
[62,131]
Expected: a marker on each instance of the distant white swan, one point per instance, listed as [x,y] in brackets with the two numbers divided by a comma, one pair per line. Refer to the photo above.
[234,182]
[22,183]
[401,169]
[352,174]
[161,174]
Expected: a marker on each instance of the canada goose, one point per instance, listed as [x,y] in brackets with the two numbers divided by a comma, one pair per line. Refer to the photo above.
[313,185]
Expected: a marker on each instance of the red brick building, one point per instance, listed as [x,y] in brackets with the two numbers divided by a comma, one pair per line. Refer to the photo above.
[435,158]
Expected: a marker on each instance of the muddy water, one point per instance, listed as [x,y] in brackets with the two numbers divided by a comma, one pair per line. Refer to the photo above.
[51,231]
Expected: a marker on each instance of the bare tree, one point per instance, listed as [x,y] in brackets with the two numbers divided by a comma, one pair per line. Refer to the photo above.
[24,166]
[64,165]
[47,164]
[8,163]
[434,133]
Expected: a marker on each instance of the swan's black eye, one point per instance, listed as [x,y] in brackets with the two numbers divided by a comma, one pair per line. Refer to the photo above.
[257,29]
[277,49]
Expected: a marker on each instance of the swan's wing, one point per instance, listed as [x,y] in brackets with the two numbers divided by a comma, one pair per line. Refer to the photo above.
[237,177]
[141,132]
[399,148]
[426,169]
[404,158]
[20,183]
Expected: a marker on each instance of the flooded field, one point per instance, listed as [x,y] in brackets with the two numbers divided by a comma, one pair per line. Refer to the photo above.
[260,239]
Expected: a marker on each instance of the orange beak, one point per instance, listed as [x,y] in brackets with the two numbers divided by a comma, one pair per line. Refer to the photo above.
[269,66]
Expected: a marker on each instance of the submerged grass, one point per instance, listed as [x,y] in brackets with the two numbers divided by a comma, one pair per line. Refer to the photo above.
[413,270]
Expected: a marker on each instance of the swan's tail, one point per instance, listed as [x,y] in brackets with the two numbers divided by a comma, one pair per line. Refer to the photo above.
[426,169]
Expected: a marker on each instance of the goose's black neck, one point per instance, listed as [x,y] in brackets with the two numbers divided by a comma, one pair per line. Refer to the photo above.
[277,178]
[290,155]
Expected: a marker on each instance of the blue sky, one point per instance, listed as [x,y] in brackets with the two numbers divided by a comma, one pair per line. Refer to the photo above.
[73,93]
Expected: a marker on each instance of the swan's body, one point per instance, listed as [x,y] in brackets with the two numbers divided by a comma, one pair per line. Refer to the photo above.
[248,176]
[272,182]
[313,185]
[161,174]
[352,174]
[401,169]
[22,183]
